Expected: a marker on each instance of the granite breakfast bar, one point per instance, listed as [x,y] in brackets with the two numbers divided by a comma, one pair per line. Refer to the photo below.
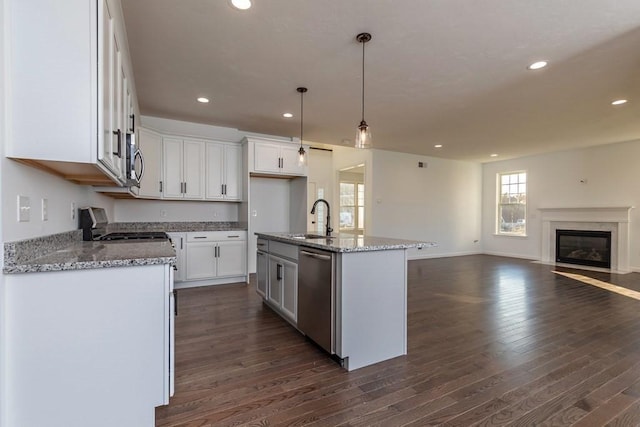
[368,292]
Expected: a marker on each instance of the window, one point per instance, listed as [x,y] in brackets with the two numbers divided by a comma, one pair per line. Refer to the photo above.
[512,203]
[351,206]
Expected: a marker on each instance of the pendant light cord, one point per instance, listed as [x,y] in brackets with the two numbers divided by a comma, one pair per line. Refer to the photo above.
[363,43]
[301,115]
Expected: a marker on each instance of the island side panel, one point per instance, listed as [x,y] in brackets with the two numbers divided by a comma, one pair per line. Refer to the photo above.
[371,304]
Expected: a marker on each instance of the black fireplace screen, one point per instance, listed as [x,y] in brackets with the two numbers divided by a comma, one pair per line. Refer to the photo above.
[592,248]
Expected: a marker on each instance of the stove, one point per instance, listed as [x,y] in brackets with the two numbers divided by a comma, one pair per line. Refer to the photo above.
[134,236]
[93,222]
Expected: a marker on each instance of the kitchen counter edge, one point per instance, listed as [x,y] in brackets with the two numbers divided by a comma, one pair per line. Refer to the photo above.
[347,243]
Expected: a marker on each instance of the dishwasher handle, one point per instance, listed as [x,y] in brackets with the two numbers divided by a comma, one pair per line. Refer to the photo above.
[315,255]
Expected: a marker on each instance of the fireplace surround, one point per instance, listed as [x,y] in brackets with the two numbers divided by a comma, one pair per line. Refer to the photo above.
[609,219]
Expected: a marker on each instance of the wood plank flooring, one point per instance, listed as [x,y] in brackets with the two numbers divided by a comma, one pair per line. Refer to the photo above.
[492,341]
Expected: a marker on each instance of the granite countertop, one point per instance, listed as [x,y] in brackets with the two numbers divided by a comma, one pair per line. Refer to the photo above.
[87,255]
[177,227]
[347,242]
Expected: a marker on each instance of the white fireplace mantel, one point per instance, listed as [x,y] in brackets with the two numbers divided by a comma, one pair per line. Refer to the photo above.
[610,218]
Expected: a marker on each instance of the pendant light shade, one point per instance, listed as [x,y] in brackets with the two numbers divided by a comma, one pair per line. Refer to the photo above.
[302,155]
[363,134]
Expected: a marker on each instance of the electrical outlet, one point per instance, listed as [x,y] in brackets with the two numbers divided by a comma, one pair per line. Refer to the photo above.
[215,214]
[73,211]
[24,209]
[163,213]
[45,209]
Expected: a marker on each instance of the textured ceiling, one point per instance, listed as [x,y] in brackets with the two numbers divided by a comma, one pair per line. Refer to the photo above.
[450,72]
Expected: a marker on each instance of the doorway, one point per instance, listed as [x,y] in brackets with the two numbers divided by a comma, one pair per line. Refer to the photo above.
[352,199]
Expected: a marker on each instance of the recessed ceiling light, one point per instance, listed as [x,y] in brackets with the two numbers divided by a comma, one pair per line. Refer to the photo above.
[287,115]
[241,4]
[537,65]
[438,146]
[203,100]
[619,102]
[494,155]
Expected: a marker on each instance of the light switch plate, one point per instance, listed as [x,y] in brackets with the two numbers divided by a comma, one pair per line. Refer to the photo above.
[24,209]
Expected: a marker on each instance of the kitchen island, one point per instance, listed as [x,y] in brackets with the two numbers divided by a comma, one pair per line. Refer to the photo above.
[361,302]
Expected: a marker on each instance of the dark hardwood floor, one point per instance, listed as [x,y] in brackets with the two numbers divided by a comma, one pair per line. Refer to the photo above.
[492,341]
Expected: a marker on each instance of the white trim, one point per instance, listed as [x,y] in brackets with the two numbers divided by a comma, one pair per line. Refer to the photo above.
[606,218]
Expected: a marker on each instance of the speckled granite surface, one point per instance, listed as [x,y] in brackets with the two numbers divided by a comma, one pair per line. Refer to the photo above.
[67,251]
[176,226]
[345,242]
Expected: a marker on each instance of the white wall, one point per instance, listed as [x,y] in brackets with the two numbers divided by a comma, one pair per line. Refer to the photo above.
[439,203]
[18,179]
[612,178]
[173,211]
[3,309]
[320,180]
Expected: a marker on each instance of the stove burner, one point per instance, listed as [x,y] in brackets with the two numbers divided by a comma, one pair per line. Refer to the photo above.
[135,235]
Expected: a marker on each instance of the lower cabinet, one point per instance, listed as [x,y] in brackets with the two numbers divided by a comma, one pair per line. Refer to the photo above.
[179,241]
[213,256]
[277,278]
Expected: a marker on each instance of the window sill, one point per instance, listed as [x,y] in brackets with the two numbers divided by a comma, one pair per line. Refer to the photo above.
[510,235]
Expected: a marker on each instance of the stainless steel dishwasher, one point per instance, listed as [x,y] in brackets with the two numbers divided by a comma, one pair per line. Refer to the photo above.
[316,296]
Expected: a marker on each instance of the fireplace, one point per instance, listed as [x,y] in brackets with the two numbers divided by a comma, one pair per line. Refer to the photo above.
[584,247]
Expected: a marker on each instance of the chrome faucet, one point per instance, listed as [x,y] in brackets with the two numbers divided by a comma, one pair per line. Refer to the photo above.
[313,211]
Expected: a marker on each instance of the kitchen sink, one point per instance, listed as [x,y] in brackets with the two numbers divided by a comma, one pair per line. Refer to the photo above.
[310,236]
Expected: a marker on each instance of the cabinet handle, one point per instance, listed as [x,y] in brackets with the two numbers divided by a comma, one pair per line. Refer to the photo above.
[261,244]
[181,246]
[279,272]
[200,237]
[133,123]
[185,188]
[161,186]
[175,302]
[119,152]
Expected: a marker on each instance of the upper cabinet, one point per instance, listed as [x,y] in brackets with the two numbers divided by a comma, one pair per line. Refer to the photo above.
[183,167]
[224,171]
[150,143]
[72,95]
[275,158]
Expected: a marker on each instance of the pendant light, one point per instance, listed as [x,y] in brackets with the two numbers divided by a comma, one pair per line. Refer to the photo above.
[363,134]
[302,154]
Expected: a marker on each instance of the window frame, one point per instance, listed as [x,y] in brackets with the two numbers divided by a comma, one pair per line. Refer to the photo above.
[356,207]
[499,204]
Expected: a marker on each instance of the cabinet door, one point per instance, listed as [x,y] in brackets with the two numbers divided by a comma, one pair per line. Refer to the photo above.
[201,260]
[172,168]
[105,151]
[214,171]
[232,258]
[193,169]
[262,273]
[290,166]
[290,289]
[150,144]
[233,172]
[276,271]
[116,107]
[179,241]
[267,157]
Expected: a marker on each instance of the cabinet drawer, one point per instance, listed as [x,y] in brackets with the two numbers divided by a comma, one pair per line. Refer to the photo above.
[283,249]
[263,245]
[210,236]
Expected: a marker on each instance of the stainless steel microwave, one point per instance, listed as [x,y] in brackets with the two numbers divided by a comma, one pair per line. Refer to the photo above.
[134,162]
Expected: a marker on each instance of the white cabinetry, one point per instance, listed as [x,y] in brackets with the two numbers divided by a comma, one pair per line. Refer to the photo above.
[150,143]
[277,277]
[179,241]
[278,158]
[223,171]
[85,340]
[215,257]
[66,68]
[183,167]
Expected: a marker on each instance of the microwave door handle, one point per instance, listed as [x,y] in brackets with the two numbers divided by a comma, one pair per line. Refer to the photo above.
[139,156]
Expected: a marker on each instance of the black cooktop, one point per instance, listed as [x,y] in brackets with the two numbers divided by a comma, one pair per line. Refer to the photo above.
[135,236]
